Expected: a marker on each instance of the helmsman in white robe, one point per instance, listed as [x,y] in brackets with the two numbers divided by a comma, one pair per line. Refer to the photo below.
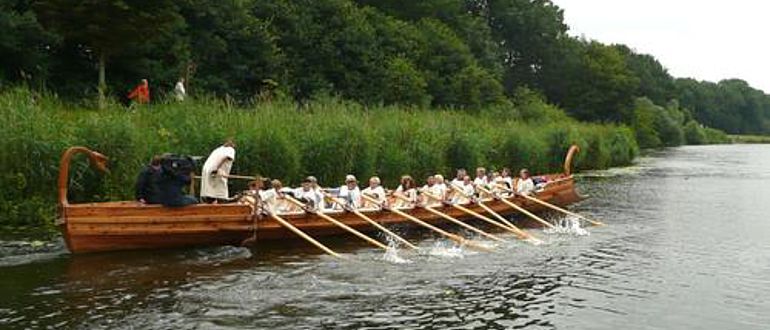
[215,171]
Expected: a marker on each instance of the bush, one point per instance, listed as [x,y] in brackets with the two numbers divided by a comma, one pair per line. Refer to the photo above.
[694,134]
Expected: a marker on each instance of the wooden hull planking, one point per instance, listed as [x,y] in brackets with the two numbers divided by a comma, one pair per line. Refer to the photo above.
[112,226]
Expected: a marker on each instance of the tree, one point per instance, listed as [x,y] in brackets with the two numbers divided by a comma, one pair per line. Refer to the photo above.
[529,32]
[655,82]
[108,27]
[234,52]
[592,83]
[22,43]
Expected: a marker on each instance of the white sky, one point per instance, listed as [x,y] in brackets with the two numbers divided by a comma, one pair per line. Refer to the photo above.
[706,40]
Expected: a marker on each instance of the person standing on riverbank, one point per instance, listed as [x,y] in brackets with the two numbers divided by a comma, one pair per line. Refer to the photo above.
[141,93]
[179,90]
[215,172]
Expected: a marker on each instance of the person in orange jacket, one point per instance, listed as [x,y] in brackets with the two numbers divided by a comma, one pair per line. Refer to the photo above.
[141,93]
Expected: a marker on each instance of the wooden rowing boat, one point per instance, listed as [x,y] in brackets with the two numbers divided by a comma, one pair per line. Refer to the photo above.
[128,225]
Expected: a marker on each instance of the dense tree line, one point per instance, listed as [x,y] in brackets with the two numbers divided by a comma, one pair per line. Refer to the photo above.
[466,54]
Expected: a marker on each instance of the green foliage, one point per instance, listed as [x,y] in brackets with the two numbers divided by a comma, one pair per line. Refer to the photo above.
[658,127]
[329,139]
[694,134]
[404,84]
[730,105]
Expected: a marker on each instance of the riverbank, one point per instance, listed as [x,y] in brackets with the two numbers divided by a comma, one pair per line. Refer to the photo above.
[750,139]
[328,138]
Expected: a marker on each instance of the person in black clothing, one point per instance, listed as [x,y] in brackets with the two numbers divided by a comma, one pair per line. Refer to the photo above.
[172,189]
[174,177]
[147,191]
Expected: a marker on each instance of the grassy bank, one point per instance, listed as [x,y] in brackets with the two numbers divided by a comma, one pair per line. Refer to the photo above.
[752,139]
[328,139]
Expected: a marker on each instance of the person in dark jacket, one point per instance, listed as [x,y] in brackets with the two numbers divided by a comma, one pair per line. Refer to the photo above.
[147,191]
[172,189]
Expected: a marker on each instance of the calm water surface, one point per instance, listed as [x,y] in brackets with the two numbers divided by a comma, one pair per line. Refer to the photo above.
[687,247]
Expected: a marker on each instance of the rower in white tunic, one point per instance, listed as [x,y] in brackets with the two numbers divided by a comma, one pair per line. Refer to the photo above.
[269,197]
[481,177]
[349,193]
[406,193]
[376,192]
[429,183]
[466,190]
[458,180]
[439,189]
[309,195]
[215,171]
[507,179]
[524,184]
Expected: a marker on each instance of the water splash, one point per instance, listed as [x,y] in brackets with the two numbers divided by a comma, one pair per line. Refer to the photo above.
[391,254]
[440,249]
[568,226]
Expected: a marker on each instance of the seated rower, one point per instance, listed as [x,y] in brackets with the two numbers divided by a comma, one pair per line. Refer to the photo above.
[524,184]
[349,192]
[307,194]
[251,195]
[496,186]
[466,191]
[268,195]
[283,205]
[406,193]
[440,188]
[507,179]
[428,187]
[376,192]
[458,180]
[481,177]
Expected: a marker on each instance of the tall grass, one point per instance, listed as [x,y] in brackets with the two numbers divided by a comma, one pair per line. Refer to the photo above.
[328,139]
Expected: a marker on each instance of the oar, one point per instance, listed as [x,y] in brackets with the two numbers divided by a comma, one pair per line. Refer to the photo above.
[232,176]
[456,238]
[554,207]
[303,235]
[372,222]
[451,219]
[492,212]
[337,223]
[497,215]
[524,211]
[520,233]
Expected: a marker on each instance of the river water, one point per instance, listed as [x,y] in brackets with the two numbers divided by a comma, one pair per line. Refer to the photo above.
[687,246]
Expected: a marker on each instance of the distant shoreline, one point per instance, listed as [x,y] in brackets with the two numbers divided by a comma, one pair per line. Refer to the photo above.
[750,139]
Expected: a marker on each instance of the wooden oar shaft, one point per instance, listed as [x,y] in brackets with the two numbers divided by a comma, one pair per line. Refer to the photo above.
[527,213]
[554,207]
[456,238]
[340,224]
[520,233]
[385,230]
[302,234]
[232,176]
[374,223]
[484,218]
[487,219]
[462,224]
[497,215]
[457,221]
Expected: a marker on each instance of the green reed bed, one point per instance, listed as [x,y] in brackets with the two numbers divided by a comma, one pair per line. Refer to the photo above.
[328,139]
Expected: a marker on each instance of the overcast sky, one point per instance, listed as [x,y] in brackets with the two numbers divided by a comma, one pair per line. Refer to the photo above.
[706,39]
